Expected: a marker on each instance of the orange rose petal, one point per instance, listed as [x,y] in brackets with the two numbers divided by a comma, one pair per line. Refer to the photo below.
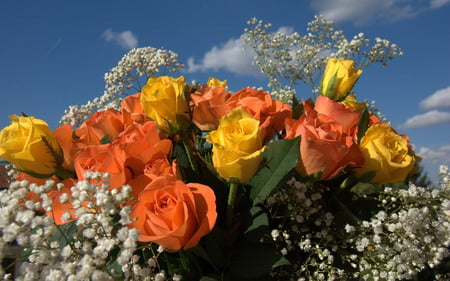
[205,201]
[168,213]
[58,208]
[138,184]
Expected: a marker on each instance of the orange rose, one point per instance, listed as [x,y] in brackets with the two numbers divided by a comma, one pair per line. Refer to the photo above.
[58,207]
[209,106]
[260,105]
[103,125]
[327,140]
[63,135]
[157,168]
[343,115]
[132,108]
[153,170]
[38,181]
[142,144]
[103,158]
[173,214]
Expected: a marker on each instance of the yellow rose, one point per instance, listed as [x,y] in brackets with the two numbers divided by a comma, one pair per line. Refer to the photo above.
[29,144]
[237,146]
[386,153]
[350,101]
[338,78]
[163,100]
[213,82]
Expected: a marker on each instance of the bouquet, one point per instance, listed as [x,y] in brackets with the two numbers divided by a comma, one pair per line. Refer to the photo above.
[189,181]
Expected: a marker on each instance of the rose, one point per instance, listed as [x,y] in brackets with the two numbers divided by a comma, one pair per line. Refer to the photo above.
[144,148]
[209,105]
[141,144]
[338,78]
[260,105]
[103,158]
[132,109]
[102,127]
[387,153]
[60,207]
[163,100]
[345,116]
[352,102]
[237,147]
[32,196]
[29,144]
[214,82]
[64,136]
[173,214]
[327,143]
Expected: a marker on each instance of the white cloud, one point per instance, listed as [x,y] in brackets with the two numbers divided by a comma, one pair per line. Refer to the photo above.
[433,117]
[440,155]
[436,4]
[365,11]
[125,39]
[287,30]
[231,56]
[439,99]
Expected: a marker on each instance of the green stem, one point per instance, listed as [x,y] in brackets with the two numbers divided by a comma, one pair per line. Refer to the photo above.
[63,173]
[188,149]
[234,184]
[349,214]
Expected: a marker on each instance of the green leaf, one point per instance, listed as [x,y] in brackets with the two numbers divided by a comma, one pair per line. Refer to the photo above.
[259,225]
[367,176]
[74,136]
[65,234]
[179,153]
[312,177]
[281,157]
[363,125]
[281,261]
[297,109]
[58,155]
[209,278]
[105,140]
[252,261]
[348,182]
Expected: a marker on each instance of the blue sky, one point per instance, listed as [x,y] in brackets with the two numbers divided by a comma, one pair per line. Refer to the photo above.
[54,53]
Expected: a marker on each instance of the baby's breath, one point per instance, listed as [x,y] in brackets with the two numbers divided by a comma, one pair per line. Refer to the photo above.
[287,59]
[82,252]
[129,76]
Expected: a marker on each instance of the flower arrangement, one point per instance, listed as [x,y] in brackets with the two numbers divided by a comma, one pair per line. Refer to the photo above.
[188,181]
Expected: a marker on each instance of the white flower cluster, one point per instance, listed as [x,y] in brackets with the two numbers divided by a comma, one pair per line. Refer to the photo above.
[289,58]
[409,233]
[308,237]
[98,245]
[444,177]
[130,74]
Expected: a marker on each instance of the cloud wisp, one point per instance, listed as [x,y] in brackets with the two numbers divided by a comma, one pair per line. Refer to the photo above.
[433,117]
[125,39]
[440,155]
[436,4]
[439,99]
[362,12]
[53,47]
[231,56]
